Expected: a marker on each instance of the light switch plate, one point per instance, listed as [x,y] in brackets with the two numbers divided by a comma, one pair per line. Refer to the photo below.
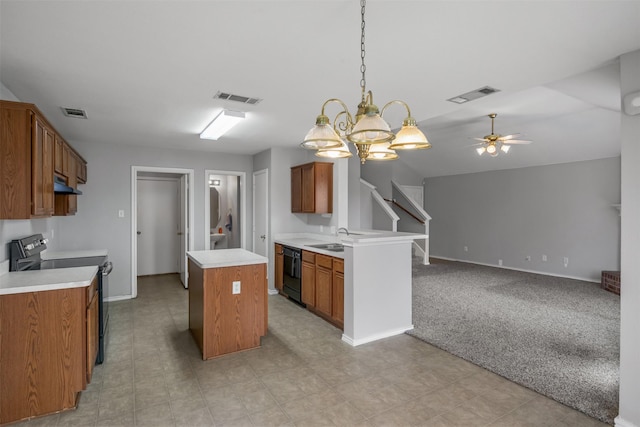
[236,287]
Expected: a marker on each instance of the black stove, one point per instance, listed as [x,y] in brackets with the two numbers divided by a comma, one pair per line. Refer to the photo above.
[25,256]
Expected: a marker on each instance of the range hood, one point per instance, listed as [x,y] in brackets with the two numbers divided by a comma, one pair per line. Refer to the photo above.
[61,187]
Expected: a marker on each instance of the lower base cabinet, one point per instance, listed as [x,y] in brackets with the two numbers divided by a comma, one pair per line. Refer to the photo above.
[323,286]
[48,346]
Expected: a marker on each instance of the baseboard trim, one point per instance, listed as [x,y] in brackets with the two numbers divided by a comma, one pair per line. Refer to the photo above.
[620,422]
[375,337]
[544,273]
[272,291]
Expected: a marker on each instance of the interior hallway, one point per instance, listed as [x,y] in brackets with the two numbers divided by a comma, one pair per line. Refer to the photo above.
[302,375]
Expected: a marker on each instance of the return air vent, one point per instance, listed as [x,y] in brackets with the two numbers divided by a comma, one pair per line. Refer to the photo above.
[74,112]
[474,94]
[237,98]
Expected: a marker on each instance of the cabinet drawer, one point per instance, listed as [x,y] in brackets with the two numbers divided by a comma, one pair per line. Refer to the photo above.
[338,265]
[324,261]
[308,256]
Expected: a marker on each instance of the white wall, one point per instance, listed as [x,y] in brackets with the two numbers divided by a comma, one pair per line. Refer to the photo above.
[6,94]
[108,189]
[630,251]
[562,210]
[381,173]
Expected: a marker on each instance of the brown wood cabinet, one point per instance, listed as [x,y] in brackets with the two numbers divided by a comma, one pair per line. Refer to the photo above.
[323,286]
[92,327]
[46,350]
[26,162]
[308,279]
[31,152]
[324,277]
[312,188]
[337,294]
[279,267]
[222,322]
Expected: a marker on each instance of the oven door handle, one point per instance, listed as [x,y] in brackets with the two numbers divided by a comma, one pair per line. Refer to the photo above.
[108,268]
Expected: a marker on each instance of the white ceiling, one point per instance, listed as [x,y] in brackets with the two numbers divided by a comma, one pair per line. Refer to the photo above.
[146,71]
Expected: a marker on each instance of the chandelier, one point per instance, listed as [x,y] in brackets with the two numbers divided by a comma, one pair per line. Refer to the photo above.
[369,132]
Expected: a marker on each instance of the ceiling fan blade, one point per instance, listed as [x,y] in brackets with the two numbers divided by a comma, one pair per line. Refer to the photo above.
[512,136]
[476,144]
[480,139]
[517,141]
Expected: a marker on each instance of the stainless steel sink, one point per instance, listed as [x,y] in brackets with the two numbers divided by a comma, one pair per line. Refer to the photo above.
[334,247]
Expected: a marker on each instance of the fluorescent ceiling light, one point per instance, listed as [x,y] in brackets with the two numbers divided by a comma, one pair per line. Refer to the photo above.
[221,124]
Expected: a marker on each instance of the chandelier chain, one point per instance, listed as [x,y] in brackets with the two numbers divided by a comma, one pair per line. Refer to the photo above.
[363,67]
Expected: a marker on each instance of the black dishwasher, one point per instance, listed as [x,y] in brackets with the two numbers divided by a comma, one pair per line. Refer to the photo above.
[292,273]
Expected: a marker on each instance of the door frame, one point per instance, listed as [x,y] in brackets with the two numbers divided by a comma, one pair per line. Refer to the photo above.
[243,207]
[264,172]
[189,175]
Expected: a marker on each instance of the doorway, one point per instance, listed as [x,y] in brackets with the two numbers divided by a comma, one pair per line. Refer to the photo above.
[154,184]
[225,210]
[158,218]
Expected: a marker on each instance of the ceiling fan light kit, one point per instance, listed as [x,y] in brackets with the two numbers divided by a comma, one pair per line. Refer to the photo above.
[493,143]
[369,132]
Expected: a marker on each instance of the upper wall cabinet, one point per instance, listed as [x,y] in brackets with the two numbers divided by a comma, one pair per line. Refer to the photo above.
[31,152]
[312,188]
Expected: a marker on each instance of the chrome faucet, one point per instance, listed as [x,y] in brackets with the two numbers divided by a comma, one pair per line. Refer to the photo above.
[343,229]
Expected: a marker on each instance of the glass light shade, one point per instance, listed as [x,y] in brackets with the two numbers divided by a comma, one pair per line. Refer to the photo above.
[494,154]
[505,148]
[409,138]
[491,149]
[335,153]
[381,152]
[481,150]
[321,136]
[371,129]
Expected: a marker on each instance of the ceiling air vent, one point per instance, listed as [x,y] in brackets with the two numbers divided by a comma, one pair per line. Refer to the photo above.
[74,112]
[474,94]
[237,98]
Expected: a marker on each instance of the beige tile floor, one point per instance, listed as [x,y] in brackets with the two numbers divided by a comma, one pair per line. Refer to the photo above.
[303,375]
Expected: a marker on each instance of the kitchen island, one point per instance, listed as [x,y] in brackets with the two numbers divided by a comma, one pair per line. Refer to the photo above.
[227,300]
[377,280]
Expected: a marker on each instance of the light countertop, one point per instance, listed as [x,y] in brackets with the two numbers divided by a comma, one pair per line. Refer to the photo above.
[17,282]
[225,258]
[355,238]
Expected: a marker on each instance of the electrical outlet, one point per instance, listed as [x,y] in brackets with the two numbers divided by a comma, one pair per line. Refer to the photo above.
[466,249]
[500,262]
[236,287]
[566,262]
[527,258]
[544,258]
[121,213]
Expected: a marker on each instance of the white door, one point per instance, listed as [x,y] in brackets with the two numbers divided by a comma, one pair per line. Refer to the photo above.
[158,226]
[184,230]
[261,212]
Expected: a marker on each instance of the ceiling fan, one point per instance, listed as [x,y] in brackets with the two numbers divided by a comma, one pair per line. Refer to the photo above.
[494,142]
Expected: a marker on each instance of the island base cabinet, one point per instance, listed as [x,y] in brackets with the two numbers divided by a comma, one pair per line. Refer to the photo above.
[223,322]
[42,352]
